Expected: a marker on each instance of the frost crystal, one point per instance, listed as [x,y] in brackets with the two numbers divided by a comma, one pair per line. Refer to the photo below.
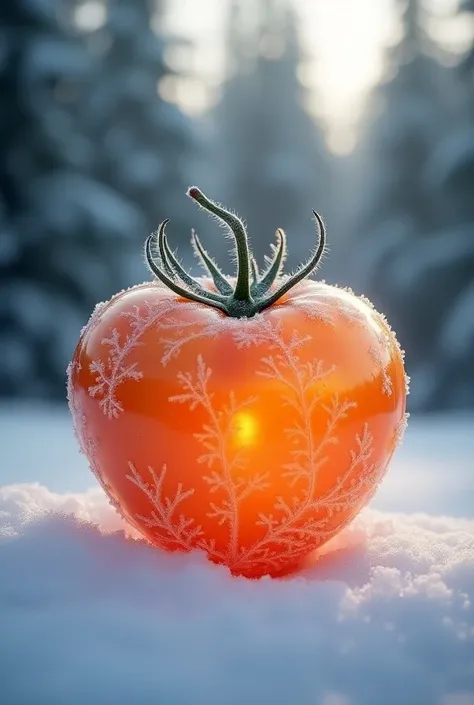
[174,529]
[110,374]
[378,353]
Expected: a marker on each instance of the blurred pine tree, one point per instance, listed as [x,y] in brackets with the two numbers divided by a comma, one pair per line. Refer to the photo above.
[450,177]
[147,143]
[402,249]
[272,156]
[406,116]
[90,159]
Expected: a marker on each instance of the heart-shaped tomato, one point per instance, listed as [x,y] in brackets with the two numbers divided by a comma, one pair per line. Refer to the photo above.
[255,435]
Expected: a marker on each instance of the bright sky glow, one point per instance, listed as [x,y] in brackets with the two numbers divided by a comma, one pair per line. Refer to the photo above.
[343,40]
[346,41]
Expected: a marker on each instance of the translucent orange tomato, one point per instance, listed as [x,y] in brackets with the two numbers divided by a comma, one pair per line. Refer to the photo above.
[251,430]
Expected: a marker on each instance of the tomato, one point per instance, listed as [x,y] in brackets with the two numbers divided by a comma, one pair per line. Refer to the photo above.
[251,425]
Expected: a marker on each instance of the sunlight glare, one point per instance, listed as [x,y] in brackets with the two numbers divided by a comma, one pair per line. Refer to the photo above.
[245,428]
[90,15]
[343,41]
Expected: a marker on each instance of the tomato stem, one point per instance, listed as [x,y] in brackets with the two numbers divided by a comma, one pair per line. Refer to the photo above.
[163,276]
[251,293]
[220,282]
[303,271]
[275,265]
[242,287]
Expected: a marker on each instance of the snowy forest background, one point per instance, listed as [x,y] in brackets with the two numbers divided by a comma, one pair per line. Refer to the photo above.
[96,150]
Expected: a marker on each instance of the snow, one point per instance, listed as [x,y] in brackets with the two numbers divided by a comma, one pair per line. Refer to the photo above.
[93,614]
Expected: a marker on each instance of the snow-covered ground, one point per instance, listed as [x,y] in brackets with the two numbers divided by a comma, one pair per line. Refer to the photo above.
[385,617]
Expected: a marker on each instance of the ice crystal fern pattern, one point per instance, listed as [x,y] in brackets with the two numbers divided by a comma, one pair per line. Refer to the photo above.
[226,469]
[110,374]
[176,530]
[87,441]
[290,529]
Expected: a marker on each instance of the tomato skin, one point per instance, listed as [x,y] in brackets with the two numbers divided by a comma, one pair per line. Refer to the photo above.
[255,440]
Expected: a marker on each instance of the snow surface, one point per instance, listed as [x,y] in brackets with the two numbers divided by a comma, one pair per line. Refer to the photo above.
[89,614]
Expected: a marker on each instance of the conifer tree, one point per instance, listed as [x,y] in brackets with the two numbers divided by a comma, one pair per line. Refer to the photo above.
[410,113]
[146,142]
[273,157]
[450,178]
[64,234]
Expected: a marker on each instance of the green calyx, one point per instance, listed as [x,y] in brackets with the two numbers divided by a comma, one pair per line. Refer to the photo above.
[253,291]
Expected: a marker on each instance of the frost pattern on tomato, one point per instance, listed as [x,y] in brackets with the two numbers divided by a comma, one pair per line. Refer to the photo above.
[88,442]
[292,526]
[213,438]
[78,416]
[109,374]
[400,429]
[378,353]
[177,534]
[295,529]
[321,362]
[327,305]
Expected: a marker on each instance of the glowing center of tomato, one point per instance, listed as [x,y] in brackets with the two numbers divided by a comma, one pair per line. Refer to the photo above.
[245,428]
